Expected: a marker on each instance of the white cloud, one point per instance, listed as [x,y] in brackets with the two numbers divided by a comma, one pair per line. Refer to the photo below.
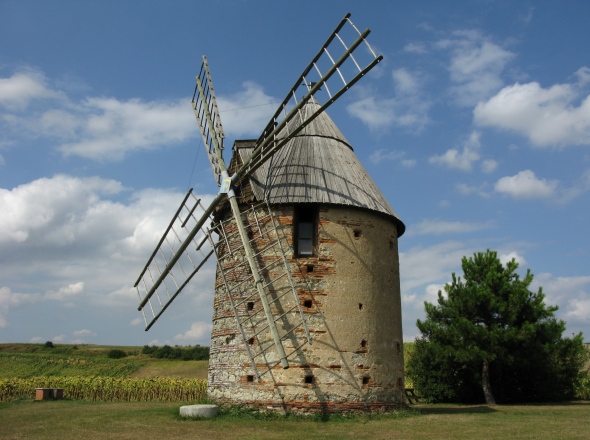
[65,292]
[475,67]
[505,258]
[9,299]
[480,190]
[382,154]
[571,294]
[84,333]
[438,227]
[108,129]
[408,108]
[489,166]
[247,112]
[547,117]
[431,292]
[65,234]
[425,265]
[198,332]
[21,88]
[525,185]
[460,160]
[419,48]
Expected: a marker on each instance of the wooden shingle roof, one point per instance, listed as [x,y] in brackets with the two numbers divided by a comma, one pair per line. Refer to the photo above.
[316,166]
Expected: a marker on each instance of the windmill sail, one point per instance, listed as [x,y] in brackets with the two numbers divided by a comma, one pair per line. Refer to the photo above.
[205,106]
[182,251]
[187,244]
[337,66]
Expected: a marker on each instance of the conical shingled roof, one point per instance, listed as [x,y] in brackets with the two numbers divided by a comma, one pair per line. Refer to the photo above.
[316,166]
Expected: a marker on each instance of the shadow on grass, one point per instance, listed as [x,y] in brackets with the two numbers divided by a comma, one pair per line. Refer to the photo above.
[476,409]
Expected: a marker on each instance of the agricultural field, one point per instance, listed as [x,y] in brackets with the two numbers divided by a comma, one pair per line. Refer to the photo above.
[86,372]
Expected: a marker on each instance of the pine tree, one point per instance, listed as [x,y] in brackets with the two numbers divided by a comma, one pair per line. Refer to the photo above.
[490,336]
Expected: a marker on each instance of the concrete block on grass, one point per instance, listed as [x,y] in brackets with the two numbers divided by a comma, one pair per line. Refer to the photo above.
[199,411]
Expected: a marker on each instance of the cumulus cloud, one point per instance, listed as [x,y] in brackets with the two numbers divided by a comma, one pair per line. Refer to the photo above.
[547,117]
[199,331]
[246,112]
[475,67]
[11,300]
[505,258]
[17,91]
[66,234]
[525,185]
[66,292]
[570,294]
[108,129]
[461,160]
[408,108]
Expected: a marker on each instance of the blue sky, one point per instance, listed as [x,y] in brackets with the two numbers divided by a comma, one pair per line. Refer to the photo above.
[476,127]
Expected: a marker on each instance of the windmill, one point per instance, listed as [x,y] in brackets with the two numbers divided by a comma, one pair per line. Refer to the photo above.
[288,204]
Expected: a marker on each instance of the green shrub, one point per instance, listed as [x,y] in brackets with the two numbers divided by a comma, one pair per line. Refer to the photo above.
[116,354]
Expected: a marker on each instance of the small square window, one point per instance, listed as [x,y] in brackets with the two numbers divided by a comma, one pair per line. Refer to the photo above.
[366,380]
[307,303]
[250,378]
[250,305]
[308,378]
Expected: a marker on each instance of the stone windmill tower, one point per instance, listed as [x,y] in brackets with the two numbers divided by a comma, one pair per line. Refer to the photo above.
[307,309]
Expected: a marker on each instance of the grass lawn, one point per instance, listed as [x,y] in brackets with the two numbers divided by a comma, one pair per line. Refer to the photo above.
[74,419]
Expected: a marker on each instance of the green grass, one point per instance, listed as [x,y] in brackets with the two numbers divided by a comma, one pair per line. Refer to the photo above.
[59,419]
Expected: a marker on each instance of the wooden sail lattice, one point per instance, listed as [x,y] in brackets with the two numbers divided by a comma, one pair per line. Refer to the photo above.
[181,253]
[237,284]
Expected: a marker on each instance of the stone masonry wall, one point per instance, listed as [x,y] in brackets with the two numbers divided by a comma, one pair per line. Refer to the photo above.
[351,298]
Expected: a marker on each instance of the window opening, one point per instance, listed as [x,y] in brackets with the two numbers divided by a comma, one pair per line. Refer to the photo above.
[307,303]
[305,230]
[250,305]
[250,378]
[309,378]
[360,306]
[358,233]
[366,380]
